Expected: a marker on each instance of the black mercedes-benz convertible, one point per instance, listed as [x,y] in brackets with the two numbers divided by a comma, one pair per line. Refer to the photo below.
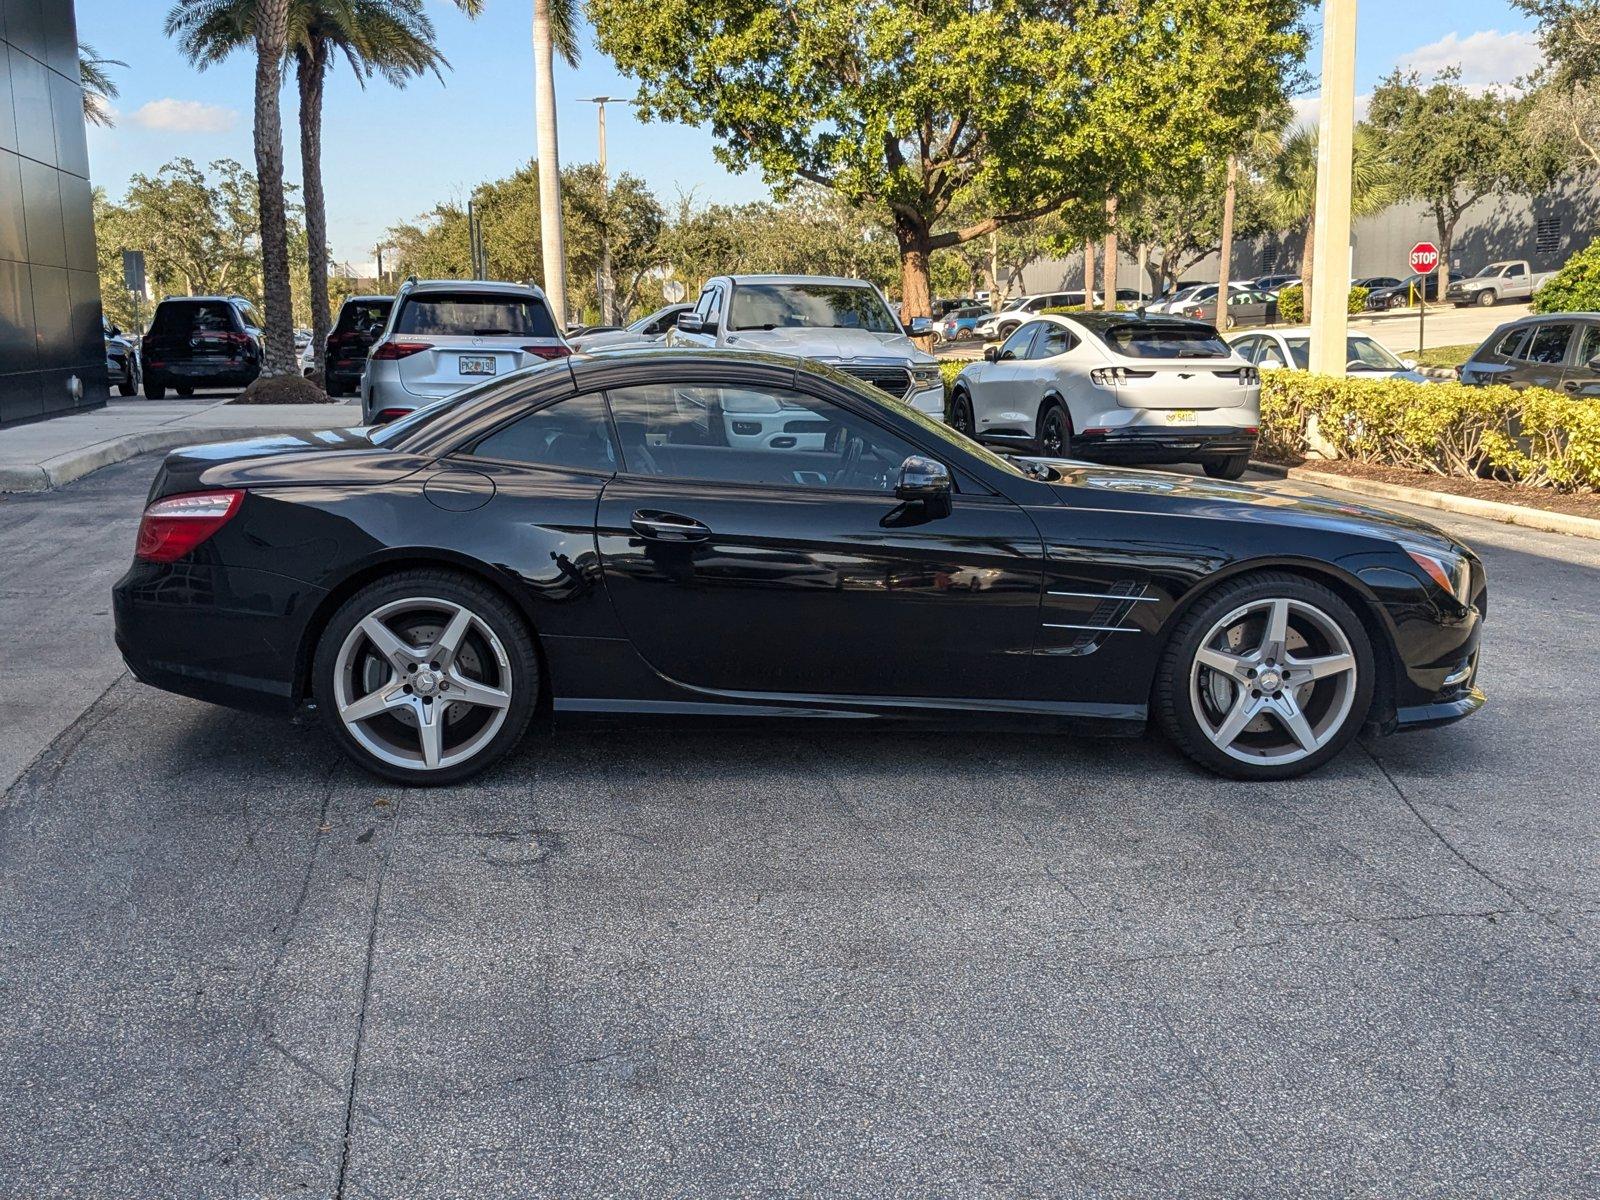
[730,534]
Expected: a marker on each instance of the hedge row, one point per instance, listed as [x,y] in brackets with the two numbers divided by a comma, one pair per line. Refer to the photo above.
[1536,438]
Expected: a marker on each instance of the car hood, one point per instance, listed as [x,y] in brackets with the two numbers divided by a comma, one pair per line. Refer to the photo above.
[329,456]
[830,344]
[1091,484]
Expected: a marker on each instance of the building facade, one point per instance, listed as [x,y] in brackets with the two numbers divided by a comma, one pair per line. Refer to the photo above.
[52,349]
[1545,229]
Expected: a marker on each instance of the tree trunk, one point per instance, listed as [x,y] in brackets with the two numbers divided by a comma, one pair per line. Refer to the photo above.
[1226,254]
[1307,265]
[1088,274]
[994,268]
[311,70]
[271,35]
[552,238]
[1447,233]
[916,300]
[1111,254]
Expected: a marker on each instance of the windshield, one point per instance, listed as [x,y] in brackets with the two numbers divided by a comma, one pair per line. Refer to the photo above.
[1362,353]
[475,314]
[809,306]
[1491,269]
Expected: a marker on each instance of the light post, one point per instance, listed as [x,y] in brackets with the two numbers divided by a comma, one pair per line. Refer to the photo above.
[1330,248]
[604,281]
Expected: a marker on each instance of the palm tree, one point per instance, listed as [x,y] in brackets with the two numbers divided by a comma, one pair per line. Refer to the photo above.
[555,29]
[98,87]
[390,38]
[1290,193]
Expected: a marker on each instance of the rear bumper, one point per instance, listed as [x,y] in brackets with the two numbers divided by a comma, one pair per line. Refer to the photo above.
[222,374]
[1176,444]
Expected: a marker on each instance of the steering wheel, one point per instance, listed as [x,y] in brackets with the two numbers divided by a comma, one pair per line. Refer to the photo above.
[855,449]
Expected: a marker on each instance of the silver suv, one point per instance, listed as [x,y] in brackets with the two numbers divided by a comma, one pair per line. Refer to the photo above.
[842,322]
[446,334]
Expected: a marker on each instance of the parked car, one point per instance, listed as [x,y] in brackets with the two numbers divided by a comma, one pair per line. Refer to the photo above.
[122,359]
[1405,292]
[361,322]
[201,341]
[1560,351]
[650,330]
[1188,303]
[961,325]
[1244,308]
[845,323]
[943,308]
[443,334]
[1511,280]
[1114,387]
[586,537]
[1371,282]
[1008,319]
[1279,349]
[1273,283]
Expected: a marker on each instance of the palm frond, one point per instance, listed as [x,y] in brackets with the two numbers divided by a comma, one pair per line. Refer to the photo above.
[99,89]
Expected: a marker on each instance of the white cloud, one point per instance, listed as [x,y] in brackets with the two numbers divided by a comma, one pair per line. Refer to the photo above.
[1487,58]
[1307,109]
[184,116]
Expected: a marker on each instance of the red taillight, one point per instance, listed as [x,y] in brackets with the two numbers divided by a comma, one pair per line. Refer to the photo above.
[388,351]
[385,415]
[174,526]
[548,351]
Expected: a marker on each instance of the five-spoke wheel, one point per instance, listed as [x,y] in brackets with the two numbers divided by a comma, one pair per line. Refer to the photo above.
[1266,677]
[426,677]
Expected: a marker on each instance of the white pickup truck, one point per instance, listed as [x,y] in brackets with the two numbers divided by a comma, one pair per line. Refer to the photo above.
[1510,280]
[845,323]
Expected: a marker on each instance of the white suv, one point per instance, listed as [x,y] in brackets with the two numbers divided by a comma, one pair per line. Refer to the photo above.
[446,334]
[1024,308]
[845,323]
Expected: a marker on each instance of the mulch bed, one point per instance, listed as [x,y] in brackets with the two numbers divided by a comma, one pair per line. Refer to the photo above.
[283,389]
[1577,504]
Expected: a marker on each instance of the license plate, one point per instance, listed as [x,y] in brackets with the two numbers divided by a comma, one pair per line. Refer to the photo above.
[1182,416]
[476,365]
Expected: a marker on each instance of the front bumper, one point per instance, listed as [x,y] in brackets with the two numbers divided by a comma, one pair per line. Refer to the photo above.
[1147,444]
[929,401]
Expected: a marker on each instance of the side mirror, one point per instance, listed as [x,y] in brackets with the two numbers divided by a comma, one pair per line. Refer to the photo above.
[991,354]
[690,322]
[920,327]
[926,481]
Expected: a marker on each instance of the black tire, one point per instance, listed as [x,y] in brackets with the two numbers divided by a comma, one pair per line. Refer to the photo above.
[1232,467]
[128,385]
[154,391]
[961,418]
[484,603]
[1488,298]
[1054,436]
[1174,703]
[183,389]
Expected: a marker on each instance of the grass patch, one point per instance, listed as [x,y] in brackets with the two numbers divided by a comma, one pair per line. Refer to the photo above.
[1444,356]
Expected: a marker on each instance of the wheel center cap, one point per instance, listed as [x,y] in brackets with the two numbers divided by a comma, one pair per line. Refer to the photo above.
[425,683]
[1269,681]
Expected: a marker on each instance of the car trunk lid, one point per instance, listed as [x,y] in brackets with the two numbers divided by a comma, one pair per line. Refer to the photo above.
[345,457]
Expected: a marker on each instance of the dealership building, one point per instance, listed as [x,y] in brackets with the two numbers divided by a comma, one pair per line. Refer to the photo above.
[52,351]
[1545,229]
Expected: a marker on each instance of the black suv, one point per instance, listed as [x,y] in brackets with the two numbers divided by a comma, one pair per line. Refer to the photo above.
[201,341]
[361,321]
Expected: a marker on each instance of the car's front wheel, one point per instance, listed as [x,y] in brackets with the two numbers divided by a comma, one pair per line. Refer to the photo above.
[426,677]
[1487,298]
[961,418]
[1266,677]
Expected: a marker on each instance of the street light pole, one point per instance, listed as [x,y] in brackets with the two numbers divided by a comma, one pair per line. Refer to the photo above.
[604,288]
[1330,248]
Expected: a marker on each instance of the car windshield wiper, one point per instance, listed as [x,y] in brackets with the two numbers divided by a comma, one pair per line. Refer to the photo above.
[743,328]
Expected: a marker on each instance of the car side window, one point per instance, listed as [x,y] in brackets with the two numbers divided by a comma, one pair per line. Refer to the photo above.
[1588,346]
[1051,341]
[1248,348]
[753,435]
[1511,345]
[708,305]
[1271,355]
[571,434]
[1549,345]
[1016,346]
[1517,271]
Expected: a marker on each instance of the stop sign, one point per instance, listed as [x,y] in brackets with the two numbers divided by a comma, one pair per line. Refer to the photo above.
[1425,258]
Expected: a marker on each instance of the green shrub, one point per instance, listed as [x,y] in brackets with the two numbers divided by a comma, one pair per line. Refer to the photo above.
[949,369]
[1574,288]
[1292,303]
[1536,438]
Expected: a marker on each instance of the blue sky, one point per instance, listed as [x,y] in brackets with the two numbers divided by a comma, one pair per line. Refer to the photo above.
[390,155]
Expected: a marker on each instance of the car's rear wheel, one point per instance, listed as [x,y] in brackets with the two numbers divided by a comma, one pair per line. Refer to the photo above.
[1232,467]
[154,391]
[1055,431]
[183,389]
[961,418]
[1266,677]
[426,677]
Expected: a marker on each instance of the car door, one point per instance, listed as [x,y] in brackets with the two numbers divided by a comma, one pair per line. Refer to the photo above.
[999,392]
[1545,356]
[779,570]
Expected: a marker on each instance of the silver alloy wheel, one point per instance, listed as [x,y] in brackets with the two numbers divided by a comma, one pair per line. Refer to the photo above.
[1273,681]
[422,683]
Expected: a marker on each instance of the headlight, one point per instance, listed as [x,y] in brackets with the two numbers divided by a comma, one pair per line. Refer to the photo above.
[1452,572]
[924,377]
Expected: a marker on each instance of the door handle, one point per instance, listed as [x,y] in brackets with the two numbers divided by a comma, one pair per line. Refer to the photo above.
[668,527]
[1571,385]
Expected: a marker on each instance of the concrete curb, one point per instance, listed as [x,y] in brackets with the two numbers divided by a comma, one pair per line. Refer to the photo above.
[1464,506]
[64,468]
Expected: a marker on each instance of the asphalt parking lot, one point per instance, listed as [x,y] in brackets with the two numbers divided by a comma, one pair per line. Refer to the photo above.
[801,961]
